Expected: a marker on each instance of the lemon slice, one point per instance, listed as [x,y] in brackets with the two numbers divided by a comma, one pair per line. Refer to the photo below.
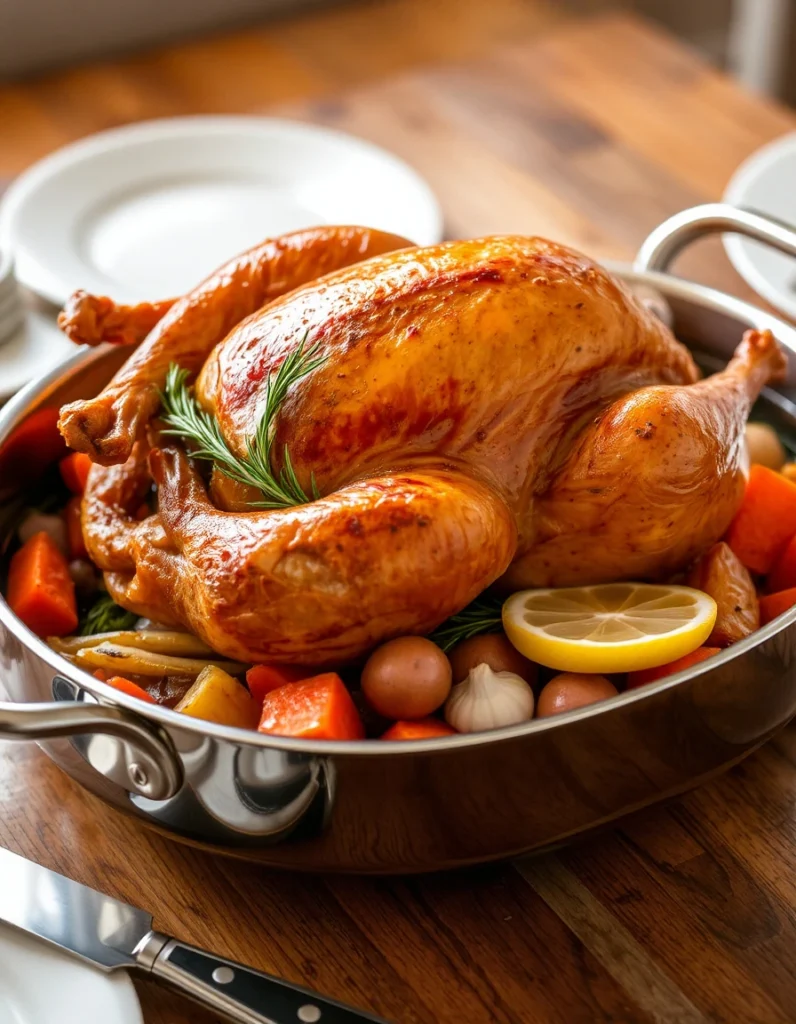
[611,627]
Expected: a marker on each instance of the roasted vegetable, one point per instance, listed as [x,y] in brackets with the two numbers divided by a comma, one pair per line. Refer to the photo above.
[179,645]
[571,690]
[74,530]
[105,616]
[74,471]
[408,677]
[650,675]
[134,661]
[319,708]
[262,679]
[766,520]
[40,589]
[130,688]
[217,697]
[720,573]
[764,446]
[773,605]
[421,729]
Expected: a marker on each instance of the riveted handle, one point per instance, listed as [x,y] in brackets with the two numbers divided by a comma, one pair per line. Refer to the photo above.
[244,995]
[669,239]
[148,765]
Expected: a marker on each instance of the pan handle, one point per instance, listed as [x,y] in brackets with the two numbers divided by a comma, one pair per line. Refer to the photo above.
[148,765]
[669,239]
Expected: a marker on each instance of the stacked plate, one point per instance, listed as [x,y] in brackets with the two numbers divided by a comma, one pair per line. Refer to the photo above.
[147,211]
[12,312]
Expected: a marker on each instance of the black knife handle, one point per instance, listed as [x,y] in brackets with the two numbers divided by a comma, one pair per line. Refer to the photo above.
[245,995]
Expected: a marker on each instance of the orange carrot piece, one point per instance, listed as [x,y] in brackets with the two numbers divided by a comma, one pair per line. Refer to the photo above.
[32,447]
[263,679]
[74,529]
[40,589]
[650,675]
[783,575]
[130,688]
[74,471]
[421,729]
[773,605]
[319,708]
[766,520]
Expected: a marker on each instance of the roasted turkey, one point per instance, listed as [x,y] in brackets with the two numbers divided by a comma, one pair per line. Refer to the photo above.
[497,411]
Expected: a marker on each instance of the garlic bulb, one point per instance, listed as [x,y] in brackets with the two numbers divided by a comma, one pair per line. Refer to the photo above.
[488,700]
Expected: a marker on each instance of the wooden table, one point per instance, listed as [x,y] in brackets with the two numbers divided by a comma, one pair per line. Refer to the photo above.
[591,134]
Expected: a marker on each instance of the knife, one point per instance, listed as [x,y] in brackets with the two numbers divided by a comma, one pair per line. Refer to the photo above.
[111,935]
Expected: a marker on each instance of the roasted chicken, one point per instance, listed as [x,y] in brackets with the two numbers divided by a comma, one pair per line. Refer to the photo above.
[498,411]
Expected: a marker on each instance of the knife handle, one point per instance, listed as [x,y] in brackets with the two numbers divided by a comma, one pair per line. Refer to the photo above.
[245,995]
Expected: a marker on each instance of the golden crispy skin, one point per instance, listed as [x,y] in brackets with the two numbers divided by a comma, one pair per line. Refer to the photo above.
[497,409]
[185,331]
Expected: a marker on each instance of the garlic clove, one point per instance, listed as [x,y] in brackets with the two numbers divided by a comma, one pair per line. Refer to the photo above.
[486,699]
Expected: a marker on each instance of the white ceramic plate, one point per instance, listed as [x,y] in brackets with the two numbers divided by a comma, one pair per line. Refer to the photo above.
[766,183]
[39,985]
[146,211]
[32,351]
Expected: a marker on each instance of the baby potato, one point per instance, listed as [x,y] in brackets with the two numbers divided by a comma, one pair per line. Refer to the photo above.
[720,574]
[764,446]
[495,650]
[406,678]
[573,690]
[217,696]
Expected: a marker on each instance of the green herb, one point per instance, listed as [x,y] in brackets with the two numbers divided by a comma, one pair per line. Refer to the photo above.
[481,616]
[188,421]
[105,616]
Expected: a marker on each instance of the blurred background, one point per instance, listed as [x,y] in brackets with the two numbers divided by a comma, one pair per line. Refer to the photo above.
[290,48]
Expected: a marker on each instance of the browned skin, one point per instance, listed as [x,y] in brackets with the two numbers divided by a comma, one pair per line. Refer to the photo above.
[493,408]
[720,573]
[186,330]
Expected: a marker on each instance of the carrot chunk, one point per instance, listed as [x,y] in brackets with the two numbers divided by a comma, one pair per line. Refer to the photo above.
[32,447]
[766,520]
[40,589]
[420,729]
[74,471]
[650,675]
[319,708]
[773,605]
[74,529]
[262,679]
[783,575]
[130,688]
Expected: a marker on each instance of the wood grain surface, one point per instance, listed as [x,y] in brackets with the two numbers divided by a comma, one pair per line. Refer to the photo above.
[590,132]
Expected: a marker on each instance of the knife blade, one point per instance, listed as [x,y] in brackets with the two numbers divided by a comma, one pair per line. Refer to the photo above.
[112,935]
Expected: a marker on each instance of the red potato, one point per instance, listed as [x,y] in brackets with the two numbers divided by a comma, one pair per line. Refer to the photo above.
[571,690]
[720,574]
[495,650]
[406,678]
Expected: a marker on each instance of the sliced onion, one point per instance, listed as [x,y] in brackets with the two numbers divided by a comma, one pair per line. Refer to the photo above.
[122,660]
[183,645]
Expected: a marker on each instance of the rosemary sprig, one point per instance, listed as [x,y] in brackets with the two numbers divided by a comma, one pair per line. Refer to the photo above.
[105,616]
[480,616]
[187,420]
